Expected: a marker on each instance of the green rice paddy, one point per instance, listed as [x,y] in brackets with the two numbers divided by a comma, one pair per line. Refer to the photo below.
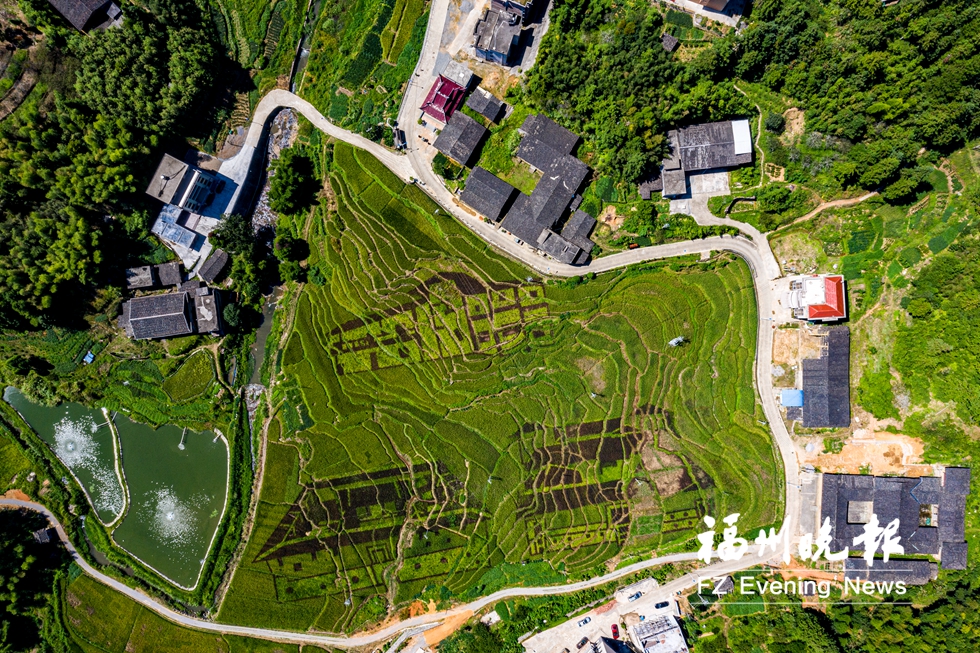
[446,423]
[100,619]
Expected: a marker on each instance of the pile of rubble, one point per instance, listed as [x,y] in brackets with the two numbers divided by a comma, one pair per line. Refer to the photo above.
[283,133]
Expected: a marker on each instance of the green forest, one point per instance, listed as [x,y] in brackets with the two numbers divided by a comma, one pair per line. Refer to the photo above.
[877,83]
[950,623]
[74,156]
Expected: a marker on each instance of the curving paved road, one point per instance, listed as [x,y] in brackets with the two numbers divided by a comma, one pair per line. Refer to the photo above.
[754,250]
[416,624]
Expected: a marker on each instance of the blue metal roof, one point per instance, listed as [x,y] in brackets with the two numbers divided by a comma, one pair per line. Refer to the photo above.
[792,398]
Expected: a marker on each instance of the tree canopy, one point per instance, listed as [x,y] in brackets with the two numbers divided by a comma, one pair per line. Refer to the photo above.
[73,162]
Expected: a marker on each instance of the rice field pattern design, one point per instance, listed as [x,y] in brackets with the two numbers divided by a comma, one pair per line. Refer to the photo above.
[446,424]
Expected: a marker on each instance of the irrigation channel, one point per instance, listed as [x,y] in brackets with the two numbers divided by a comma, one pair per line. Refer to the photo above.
[162,492]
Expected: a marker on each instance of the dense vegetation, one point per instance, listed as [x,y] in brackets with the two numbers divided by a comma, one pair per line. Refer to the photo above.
[936,351]
[78,153]
[603,72]
[361,57]
[877,84]
[948,621]
[29,571]
[420,346]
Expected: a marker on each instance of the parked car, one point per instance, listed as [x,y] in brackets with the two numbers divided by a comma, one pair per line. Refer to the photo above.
[615,631]
[585,621]
[565,650]
[634,597]
[662,605]
[583,642]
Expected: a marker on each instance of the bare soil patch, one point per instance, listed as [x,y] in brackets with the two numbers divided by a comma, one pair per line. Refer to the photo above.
[775,173]
[786,346]
[16,494]
[611,218]
[595,371]
[671,481]
[881,451]
[655,460]
[446,628]
[795,124]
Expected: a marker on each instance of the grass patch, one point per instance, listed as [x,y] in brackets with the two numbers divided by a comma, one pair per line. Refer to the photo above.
[192,378]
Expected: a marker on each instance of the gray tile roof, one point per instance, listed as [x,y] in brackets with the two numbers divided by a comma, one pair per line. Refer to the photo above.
[488,194]
[540,127]
[494,32]
[532,218]
[206,311]
[669,41]
[930,518]
[674,182]
[956,480]
[709,145]
[214,266]
[159,316]
[168,179]
[141,277]
[520,220]
[912,572]
[651,185]
[577,229]
[826,383]
[461,138]
[79,12]
[170,274]
[485,104]
[954,555]
[557,247]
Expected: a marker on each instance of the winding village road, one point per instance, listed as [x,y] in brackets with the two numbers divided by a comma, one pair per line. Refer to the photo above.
[752,247]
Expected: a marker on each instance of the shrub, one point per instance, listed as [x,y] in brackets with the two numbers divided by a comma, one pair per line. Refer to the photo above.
[232,315]
[294,185]
[775,123]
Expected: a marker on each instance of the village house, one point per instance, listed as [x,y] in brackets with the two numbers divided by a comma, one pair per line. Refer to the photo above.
[818,297]
[89,15]
[547,219]
[702,147]
[461,138]
[931,514]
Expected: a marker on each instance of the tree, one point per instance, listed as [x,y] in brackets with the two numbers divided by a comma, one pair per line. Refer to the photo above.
[29,571]
[235,234]
[293,186]
[641,221]
[232,315]
[775,123]
[292,271]
[146,74]
[287,248]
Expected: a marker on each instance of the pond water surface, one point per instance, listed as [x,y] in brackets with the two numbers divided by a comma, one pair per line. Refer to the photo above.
[82,439]
[177,484]
[177,481]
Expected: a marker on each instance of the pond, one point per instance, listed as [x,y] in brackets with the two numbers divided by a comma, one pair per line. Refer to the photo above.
[177,484]
[176,479]
[82,439]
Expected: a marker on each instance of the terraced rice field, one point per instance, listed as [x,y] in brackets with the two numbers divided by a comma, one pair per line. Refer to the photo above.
[100,619]
[445,417]
[192,378]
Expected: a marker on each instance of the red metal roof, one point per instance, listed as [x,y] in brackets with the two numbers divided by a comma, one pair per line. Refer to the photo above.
[834,306]
[443,99]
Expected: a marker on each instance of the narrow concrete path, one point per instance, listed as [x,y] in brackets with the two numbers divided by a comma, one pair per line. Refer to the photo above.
[754,249]
[379,636]
[830,205]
